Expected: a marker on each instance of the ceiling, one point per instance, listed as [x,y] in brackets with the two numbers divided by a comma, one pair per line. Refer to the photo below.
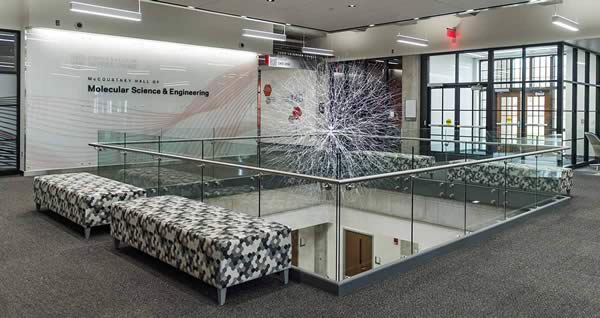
[336,15]
[590,44]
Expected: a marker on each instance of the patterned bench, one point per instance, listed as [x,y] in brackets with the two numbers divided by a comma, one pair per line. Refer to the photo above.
[83,198]
[518,176]
[395,161]
[378,162]
[221,247]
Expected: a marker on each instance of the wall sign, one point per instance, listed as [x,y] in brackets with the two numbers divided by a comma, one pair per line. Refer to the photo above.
[79,84]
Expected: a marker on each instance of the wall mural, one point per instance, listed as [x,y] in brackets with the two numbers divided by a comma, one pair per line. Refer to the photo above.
[331,112]
[79,84]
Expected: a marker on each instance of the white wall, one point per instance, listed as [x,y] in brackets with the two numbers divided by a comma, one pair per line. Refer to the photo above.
[12,14]
[63,116]
[494,28]
[291,87]
[306,252]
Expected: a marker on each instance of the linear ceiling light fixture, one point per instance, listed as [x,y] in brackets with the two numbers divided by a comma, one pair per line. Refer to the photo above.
[565,23]
[411,40]
[93,9]
[250,33]
[317,51]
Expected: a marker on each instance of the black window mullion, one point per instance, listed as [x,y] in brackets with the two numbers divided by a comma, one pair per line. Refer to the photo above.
[586,150]
[490,119]
[560,90]
[574,109]
[456,103]
[524,109]
[597,128]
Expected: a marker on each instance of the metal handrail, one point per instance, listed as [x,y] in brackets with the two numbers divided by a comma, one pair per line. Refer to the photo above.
[489,143]
[325,179]
[211,139]
[448,166]
[213,162]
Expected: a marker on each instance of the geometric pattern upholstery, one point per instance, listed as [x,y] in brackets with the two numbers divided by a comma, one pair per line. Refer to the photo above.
[221,247]
[83,198]
[384,162]
[396,161]
[519,176]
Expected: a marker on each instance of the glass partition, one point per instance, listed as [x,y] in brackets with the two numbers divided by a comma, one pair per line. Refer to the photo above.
[9,104]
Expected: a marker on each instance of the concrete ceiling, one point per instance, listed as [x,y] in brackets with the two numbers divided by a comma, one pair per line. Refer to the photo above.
[336,15]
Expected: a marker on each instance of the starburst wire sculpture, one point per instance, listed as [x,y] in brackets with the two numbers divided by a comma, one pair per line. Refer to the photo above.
[333,113]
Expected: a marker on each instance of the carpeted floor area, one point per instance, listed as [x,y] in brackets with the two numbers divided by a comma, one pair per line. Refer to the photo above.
[546,266]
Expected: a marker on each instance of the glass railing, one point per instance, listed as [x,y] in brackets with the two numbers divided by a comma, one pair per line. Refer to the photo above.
[351,212]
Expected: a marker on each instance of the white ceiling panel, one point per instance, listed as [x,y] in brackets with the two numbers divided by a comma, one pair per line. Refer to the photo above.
[334,15]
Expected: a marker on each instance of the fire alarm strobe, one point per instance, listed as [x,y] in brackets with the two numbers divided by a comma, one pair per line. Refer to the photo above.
[451,33]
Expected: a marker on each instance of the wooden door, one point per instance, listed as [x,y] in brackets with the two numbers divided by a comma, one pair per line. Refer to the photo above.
[539,114]
[508,111]
[295,248]
[358,253]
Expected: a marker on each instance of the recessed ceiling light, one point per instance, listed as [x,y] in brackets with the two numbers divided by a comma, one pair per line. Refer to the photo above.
[411,40]
[351,5]
[104,11]
[250,33]
[317,51]
[371,25]
[270,0]
[565,23]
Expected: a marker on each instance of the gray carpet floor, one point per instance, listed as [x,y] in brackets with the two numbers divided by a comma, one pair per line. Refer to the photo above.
[545,266]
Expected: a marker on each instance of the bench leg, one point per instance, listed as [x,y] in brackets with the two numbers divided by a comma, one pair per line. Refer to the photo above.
[221,294]
[116,243]
[87,231]
[286,276]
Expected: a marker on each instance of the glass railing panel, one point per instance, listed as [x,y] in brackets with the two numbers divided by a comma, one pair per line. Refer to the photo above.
[181,146]
[438,208]
[231,188]
[308,207]
[484,185]
[552,178]
[110,162]
[233,151]
[137,164]
[376,224]
[310,155]
[368,163]
[147,140]
[175,177]
[522,193]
